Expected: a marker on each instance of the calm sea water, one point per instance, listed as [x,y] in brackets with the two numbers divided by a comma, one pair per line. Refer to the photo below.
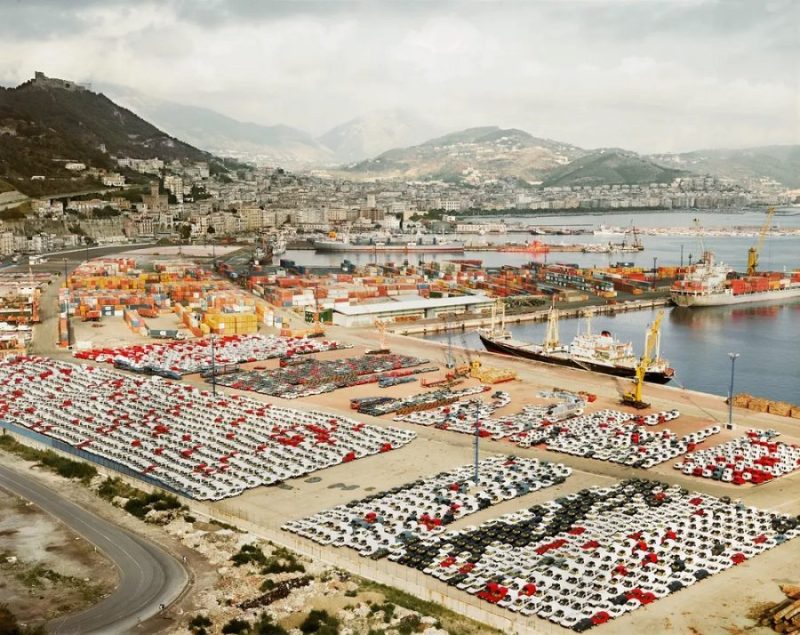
[697,342]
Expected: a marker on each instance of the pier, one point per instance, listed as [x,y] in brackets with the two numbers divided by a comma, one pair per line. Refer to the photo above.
[457,323]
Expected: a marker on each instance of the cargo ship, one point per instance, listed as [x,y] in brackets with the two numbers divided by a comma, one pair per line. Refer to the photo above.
[388,245]
[712,283]
[598,352]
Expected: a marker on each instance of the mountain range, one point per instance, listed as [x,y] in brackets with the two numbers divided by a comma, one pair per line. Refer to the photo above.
[45,122]
[354,140]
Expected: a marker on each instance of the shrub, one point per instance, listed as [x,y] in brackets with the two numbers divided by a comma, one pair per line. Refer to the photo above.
[247,554]
[265,626]
[236,626]
[409,624]
[388,612]
[199,623]
[320,622]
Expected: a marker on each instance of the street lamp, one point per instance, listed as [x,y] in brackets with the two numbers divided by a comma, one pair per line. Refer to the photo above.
[733,357]
[214,362]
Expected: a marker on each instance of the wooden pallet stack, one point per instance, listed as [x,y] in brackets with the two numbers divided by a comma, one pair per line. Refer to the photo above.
[784,617]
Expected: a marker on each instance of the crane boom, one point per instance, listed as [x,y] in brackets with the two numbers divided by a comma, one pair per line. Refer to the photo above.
[634,398]
[755,250]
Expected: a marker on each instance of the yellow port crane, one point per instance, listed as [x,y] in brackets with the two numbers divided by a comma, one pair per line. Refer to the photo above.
[634,397]
[752,253]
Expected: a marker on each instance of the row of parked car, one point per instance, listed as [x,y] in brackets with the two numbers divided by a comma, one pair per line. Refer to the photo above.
[203,446]
[591,556]
[184,357]
[752,459]
[404,514]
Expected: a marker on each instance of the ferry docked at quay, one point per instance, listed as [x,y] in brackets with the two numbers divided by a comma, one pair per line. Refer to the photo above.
[598,352]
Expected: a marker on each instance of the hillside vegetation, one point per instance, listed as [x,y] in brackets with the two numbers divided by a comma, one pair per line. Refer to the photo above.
[611,167]
[484,152]
[43,125]
[781,163]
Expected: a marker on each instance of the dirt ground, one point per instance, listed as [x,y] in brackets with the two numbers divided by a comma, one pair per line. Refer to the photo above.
[46,570]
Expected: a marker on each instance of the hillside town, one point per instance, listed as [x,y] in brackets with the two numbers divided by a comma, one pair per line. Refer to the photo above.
[183,201]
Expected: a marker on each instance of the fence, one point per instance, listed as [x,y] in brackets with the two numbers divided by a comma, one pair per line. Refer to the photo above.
[381,571]
[56,444]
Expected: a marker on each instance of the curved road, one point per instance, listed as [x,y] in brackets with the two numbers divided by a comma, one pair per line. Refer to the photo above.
[148,575]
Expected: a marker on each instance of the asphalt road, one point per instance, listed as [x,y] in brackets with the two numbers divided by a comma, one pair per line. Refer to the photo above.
[148,575]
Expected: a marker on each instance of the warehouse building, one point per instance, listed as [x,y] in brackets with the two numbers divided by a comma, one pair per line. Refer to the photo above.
[405,309]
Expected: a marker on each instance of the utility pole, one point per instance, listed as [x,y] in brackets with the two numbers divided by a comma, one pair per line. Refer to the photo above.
[733,357]
[213,368]
[477,448]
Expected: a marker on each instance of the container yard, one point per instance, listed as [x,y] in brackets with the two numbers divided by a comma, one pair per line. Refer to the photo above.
[20,295]
[156,299]
[526,287]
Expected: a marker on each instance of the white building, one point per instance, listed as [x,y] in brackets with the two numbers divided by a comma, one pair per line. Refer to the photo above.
[113,179]
[415,307]
[7,243]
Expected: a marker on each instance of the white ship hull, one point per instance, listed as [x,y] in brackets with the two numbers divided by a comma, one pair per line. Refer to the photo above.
[724,299]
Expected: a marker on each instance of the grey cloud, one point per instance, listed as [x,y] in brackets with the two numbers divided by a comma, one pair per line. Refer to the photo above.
[647,74]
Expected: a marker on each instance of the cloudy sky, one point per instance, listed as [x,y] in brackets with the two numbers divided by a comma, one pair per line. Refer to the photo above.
[648,75]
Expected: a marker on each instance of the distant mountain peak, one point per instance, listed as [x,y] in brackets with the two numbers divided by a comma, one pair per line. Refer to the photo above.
[376,132]
[476,153]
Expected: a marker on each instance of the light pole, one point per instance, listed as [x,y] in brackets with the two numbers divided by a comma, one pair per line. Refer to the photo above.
[213,368]
[733,357]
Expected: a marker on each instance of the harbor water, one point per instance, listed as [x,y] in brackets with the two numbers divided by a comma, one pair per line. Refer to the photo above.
[696,341]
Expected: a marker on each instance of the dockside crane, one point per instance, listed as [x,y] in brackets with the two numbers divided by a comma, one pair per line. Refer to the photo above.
[753,252]
[634,397]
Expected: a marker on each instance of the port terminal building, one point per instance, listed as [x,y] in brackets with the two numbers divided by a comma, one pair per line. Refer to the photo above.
[409,309]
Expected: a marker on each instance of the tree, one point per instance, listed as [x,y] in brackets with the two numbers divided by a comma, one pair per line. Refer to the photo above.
[186,232]
[8,622]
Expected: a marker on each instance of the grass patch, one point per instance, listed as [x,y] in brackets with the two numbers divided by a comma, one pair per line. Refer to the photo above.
[76,470]
[451,621]
[37,577]
[282,561]
[139,503]
[222,525]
